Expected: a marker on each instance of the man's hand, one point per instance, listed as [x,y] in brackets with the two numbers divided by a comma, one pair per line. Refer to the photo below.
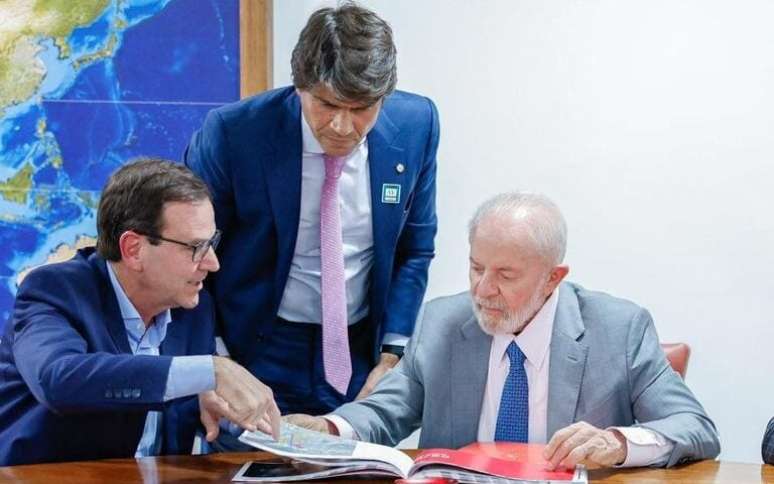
[211,408]
[386,363]
[318,424]
[581,443]
[242,399]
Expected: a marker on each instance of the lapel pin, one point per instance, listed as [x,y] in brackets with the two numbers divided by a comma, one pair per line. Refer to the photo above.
[391,193]
[400,168]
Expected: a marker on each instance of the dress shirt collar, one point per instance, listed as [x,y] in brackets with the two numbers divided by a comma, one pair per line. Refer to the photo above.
[310,143]
[535,338]
[133,323]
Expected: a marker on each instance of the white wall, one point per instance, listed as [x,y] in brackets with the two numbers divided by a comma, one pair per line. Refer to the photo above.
[651,123]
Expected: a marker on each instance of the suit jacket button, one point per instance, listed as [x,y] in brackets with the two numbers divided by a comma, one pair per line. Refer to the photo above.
[136,393]
[108,393]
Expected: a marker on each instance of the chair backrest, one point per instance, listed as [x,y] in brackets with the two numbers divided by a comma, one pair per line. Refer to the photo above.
[678,355]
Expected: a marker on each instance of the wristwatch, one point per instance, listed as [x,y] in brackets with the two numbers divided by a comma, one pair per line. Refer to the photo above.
[393,349]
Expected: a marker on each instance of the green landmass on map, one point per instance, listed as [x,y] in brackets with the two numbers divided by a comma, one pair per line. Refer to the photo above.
[65,15]
[17,188]
[24,22]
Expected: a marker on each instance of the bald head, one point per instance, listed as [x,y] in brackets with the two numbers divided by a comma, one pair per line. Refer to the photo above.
[531,218]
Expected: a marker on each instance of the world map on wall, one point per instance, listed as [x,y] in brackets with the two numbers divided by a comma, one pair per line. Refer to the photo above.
[86,85]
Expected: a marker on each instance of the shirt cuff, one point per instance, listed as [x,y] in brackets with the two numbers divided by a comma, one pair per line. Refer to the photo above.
[645,447]
[189,375]
[395,339]
[345,429]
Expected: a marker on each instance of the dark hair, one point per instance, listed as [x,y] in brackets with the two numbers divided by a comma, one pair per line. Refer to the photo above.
[349,49]
[134,199]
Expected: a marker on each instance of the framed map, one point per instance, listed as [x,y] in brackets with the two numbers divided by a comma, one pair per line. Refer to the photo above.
[86,85]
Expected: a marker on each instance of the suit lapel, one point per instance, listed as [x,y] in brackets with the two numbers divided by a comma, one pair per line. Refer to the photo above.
[112,313]
[282,170]
[383,157]
[568,362]
[175,341]
[469,364]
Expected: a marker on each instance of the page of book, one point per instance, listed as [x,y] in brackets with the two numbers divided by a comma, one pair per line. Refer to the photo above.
[309,446]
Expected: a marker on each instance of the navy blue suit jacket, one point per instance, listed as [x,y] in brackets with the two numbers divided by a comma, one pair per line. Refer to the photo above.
[767,446]
[70,387]
[249,153]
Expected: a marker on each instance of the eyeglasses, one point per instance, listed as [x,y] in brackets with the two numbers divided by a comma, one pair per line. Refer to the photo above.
[198,251]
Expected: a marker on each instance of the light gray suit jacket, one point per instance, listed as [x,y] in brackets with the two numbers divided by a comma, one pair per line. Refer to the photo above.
[606,368]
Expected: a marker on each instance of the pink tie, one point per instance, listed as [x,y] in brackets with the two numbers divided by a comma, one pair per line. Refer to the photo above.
[335,340]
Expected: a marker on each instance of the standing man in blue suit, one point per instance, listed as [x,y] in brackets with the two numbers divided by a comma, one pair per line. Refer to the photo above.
[319,302]
[106,353]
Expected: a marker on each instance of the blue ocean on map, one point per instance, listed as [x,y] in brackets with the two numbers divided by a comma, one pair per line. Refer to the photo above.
[172,62]
[91,37]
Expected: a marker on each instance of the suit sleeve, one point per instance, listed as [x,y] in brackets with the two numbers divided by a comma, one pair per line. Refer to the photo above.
[767,446]
[207,155]
[662,402]
[181,417]
[55,362]
[394,409]
[415,248]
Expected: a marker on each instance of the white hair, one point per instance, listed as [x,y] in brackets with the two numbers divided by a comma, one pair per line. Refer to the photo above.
[541,217]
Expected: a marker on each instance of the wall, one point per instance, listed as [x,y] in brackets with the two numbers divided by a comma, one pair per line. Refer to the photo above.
[650,123]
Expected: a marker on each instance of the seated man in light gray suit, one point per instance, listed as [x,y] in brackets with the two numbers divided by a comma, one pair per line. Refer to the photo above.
[590,377]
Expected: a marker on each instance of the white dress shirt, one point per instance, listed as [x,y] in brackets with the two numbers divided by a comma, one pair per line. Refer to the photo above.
[644,446]
[534,341]
[301,301]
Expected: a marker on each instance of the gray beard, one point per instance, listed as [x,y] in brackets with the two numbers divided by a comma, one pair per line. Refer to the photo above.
[510,323]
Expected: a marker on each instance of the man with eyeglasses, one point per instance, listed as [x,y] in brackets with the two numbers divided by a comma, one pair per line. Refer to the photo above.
[110,354]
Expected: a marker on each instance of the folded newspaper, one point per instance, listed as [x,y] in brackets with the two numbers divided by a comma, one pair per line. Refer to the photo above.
[314,455]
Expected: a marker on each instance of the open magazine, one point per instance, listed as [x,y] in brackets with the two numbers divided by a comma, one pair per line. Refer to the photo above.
[313,455]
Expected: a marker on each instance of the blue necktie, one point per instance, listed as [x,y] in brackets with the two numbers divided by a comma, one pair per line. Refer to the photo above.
[513,418]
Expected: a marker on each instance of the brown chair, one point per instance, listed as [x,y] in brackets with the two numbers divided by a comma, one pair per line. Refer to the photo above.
[678,355]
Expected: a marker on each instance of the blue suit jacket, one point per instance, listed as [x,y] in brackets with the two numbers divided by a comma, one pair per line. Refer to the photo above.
[767,446]
[70,387]
[249,153]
